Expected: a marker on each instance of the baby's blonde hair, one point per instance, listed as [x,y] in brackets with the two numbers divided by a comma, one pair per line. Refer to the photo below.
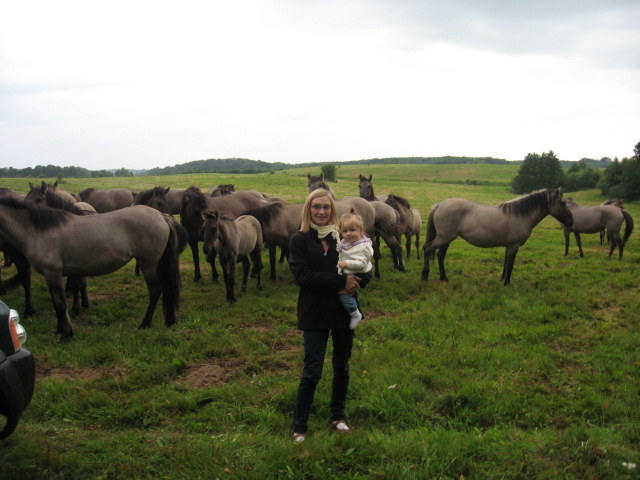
[351,220]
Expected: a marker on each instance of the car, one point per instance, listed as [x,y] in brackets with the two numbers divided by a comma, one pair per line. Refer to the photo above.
[17,370]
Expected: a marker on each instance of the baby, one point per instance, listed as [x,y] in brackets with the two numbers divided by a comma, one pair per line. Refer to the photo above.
[354,257]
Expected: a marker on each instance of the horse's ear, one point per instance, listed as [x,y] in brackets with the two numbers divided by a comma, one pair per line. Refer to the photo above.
[308,176]
[321,177]
[31,186]
[353,211]
[558,192]
[167,190]
[43,186]
[360,177]
[55,185]
[370,177]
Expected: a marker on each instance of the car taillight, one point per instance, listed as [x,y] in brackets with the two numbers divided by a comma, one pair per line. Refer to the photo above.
[18,333]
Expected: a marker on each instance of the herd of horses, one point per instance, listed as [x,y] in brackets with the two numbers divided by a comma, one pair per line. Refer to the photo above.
[95,232]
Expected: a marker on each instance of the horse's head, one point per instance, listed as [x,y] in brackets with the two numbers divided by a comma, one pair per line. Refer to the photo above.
[315,182]
[558,208]
[158,199]
[366,187]
[210,229]
[37,194]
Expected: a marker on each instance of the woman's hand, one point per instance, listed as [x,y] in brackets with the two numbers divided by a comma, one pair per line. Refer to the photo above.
[351,285]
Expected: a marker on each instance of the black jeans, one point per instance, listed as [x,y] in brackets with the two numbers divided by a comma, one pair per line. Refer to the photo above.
[315,347]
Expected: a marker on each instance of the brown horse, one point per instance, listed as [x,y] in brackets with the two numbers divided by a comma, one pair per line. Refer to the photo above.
[195,202]
[372,224]
[108,200]
[508,225]
[155,198]
[616,202]
[67,244]
[593,220]
[222,189]
[233,240]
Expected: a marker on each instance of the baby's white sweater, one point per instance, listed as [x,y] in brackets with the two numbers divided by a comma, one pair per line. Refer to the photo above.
[358,258]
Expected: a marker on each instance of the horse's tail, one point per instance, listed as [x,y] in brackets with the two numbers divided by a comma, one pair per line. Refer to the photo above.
[431,229]
[169,269]
[628,224]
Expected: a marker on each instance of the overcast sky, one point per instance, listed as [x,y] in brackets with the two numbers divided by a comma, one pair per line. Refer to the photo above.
[142,84]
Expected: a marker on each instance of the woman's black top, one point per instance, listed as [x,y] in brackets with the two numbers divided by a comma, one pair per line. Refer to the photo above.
[315,272]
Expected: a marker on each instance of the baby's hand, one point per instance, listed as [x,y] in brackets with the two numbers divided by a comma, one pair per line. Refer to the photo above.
[342,264]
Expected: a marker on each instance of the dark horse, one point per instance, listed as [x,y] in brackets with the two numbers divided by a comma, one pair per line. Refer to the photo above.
[195,203]
[67,244]
[155,198]
[508,225]
[233,240]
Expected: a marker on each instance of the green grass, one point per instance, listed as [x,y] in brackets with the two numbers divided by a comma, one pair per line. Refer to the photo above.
[466,379]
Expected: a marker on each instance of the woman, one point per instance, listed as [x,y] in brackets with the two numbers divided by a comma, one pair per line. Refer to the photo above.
[313,261]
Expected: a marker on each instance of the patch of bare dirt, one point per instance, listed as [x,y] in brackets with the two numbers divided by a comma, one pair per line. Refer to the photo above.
[212,372]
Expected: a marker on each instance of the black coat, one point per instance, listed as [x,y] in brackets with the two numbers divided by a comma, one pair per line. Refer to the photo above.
[317,276]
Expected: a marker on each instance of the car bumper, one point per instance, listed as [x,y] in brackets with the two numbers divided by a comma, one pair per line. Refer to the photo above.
[17,380]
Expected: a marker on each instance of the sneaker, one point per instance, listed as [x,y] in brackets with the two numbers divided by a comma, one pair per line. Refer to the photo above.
[340,426]
[299,437]
[356,318]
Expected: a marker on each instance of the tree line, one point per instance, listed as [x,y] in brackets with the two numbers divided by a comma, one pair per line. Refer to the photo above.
[620,179]
[49,171]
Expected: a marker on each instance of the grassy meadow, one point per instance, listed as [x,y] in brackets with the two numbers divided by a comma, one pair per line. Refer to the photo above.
[460,380]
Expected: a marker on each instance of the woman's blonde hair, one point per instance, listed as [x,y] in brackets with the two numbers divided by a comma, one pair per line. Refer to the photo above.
[351,220]
[305,223]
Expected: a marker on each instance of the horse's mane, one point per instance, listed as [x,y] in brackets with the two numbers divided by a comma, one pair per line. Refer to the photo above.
[56,201]
[85,193]
[145,196]
[194,195]
[523,206]
[43,218]
[395,201]
[267,213]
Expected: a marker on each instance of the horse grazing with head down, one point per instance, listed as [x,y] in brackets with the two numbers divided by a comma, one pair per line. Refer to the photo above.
[108,200]
[233,240]
[508,225]
[67,244]
[594,220]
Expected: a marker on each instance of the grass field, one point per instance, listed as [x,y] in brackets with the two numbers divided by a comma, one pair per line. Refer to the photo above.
[466,379]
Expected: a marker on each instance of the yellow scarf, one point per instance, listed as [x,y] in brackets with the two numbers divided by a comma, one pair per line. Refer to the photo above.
[326,230]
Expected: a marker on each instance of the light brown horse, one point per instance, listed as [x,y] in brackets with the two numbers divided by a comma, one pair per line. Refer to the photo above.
[66,244]
[233,240]
[508,225]
[593,220]
[108,200]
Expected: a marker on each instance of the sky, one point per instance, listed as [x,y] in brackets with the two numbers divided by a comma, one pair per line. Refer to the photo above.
[142,84]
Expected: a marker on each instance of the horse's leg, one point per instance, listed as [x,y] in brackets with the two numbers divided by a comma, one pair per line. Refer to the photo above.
[73,284]
[24,277]
[229,273]
[567,234]
[408,244]
[272,261]
[246,266]
[137,272]
[442,252]
[509,260]
[396,251]
[579,242]
[418,244]
[193,243]
[615,240]
[59,300]
[284,254]
[83,292]
[256,260]
[154,288]
[211,258]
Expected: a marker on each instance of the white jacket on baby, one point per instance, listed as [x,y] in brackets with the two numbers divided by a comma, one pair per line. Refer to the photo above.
[357,255]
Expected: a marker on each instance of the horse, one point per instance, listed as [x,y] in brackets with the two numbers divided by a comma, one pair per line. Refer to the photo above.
[507,225]
[233,240]
[195,202]
[155,198]
[68,196]
[223,189]
[108,200]
[594,220]
[13,256]
[50,197]
[68,244]
[407,220]
[372,223]
[616,202]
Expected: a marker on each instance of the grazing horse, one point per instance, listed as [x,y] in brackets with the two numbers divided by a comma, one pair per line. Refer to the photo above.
[108,200]
[67,244]
[195,202]
[407,220]
[234,240]
[508,225]
[372,224]
[594,220]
